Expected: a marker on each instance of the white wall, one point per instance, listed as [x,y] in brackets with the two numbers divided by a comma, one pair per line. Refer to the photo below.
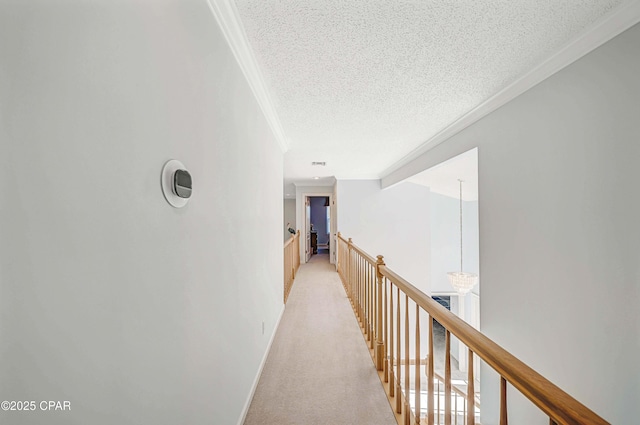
[559,235]
[135,312]
[393,222]
[289,217]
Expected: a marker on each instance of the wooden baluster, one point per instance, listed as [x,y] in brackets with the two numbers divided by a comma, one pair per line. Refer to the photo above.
[471,401]
[354,283]
[356,288]
[464,409]
[347,270]
[369,309]
[503,401]
[360,289]
[367,303]
[363,300]
[363,297]
[438,402]
[372,309]
[358,292]
[392,381]
[447,377]
[368,299]
[430,394]
[361,292]
[407,397]
[398,357]
[417,357]
[385,331]
[367,325]
[369,312]
[372,313]
[381,332]
[352,273]
[455,406]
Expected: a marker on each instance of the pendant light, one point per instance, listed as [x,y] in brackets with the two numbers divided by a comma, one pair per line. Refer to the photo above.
[461,281]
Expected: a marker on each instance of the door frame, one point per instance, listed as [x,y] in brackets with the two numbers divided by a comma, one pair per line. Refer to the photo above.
[301,212]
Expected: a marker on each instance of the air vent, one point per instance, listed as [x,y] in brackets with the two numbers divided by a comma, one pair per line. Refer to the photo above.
[322,164]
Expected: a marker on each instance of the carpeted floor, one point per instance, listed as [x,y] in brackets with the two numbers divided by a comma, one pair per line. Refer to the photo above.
[319,370]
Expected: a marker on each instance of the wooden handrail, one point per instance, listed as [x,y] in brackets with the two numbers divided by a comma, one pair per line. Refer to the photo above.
[289,241]
[556,403]
[559,406]
[363,254]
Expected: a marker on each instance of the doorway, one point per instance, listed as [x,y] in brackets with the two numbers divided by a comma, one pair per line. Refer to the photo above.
[317,226]
[454,234]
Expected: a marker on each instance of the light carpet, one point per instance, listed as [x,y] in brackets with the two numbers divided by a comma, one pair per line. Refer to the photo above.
[319,370]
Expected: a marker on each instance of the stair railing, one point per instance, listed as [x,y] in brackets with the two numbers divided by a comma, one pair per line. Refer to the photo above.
[382,302]
[291,262]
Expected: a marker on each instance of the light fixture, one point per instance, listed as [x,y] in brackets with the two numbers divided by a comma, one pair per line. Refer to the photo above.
[461,281]
[316,178]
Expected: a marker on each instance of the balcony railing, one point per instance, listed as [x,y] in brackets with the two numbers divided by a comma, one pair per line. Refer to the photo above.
[291,262]
[383,303]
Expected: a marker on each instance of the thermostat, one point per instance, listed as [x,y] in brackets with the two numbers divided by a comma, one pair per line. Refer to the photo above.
[177,184]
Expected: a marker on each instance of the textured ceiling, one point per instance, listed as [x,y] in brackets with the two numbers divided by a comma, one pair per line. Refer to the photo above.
[361,83]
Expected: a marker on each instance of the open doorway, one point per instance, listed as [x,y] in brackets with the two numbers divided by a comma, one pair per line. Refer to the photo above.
[454,239]
[318,226]
[454,236]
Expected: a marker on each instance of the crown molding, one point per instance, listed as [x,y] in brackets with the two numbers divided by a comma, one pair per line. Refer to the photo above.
[228,19]
[609,26]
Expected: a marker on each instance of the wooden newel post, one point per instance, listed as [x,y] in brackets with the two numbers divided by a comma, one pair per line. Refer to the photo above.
[379,343]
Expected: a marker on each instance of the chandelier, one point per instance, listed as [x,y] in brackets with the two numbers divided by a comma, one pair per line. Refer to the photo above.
[462,281]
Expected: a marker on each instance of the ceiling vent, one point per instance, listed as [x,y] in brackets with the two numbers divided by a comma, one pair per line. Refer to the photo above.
[322,164]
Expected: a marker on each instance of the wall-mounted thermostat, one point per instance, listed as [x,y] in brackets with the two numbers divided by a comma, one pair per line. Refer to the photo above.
[177,184]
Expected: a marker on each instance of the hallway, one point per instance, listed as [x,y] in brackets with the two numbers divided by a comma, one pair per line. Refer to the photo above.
[319,370]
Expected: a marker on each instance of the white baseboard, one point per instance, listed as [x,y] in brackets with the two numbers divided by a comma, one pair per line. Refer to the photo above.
[245,409]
